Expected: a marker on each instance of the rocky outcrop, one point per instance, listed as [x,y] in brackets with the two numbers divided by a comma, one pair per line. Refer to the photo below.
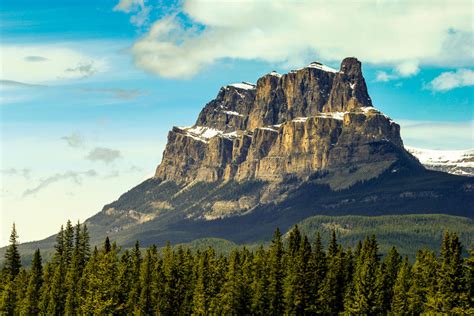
[312,119]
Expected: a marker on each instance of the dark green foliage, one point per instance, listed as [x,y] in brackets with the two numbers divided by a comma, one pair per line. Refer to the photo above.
[30,305]
[400,300]
[11,276]
[12,257]
[291,276]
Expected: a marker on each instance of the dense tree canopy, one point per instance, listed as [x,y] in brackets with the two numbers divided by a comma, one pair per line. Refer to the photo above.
[291,276]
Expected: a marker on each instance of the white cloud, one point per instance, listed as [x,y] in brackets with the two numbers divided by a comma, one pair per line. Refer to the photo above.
[76,177]
[138,7]
[74,140]
[437,134]
[288,32]
[407,68]
[450,80]
[383,76]
[129,5]
[103,154]
[46,63]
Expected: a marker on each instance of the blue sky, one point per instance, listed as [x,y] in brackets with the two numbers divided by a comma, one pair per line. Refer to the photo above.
[89,89]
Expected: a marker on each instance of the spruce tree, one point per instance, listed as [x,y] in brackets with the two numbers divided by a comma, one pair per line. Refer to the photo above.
[365,287]
[451,296]
[136,262]
[147,301]
[20,287]
[276,275]
[230,296]
[11,270]
[400,300]
[331,292]
[124,283]
[201,295]
[424,281]
[12,256]
[260,299]
[31,304]
[318,266]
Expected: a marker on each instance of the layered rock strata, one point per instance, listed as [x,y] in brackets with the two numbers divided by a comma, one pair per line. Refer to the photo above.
[310,119]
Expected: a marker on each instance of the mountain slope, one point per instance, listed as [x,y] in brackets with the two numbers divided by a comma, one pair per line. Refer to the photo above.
[459,162]
[269,155]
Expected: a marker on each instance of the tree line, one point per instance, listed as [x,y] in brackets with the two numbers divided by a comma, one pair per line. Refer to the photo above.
[290,277]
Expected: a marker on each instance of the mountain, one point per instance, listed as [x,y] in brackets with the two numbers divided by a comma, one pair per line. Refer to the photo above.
[271,154]
[452,161]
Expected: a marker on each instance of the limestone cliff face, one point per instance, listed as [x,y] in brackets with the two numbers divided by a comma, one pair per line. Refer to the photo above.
[312,119]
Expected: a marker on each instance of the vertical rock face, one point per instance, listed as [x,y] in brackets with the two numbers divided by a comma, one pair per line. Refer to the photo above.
[311,119]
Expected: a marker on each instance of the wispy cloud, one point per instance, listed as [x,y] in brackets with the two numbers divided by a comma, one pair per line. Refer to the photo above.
[25,173]
[45,63]
[35,58]
[103,154]
[452,79]
[138,7]
[5,84]
[83,70]
[74,176]
[124,94]
[74,140]
[402,70]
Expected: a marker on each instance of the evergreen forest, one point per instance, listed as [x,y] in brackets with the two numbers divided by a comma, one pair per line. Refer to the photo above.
[292,276]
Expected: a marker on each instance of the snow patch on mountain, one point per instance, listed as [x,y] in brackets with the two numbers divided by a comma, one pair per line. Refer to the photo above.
[460,162]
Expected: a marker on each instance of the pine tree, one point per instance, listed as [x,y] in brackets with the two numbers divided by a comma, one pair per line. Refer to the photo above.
[89,283]
[470,279]
[298,290]
[8,302]
[12,256]
[230,296]
[32,300]
[365,287]
[20,287]
[276,275]
[260,300]
[57,291]
[400,300]
[136,262]
[451,295]
[68,243]
[11,270]
[424,281]
[318,266]
[147,301]
[75,270]
[331,292]
[333,247]
[48,271]
[124,282]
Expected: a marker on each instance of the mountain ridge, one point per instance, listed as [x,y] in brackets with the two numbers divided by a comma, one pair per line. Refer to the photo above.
[269,155]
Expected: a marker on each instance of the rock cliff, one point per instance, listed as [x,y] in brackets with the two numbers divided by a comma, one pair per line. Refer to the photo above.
[311,119]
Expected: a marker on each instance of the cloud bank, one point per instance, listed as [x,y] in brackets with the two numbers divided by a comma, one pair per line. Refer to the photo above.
[289,32]
[46,63]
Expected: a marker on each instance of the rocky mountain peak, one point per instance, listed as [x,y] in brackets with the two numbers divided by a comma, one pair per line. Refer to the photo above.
[351,66]
[310,119]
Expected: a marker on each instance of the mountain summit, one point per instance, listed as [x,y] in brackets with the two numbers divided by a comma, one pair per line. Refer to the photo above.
[311,119]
